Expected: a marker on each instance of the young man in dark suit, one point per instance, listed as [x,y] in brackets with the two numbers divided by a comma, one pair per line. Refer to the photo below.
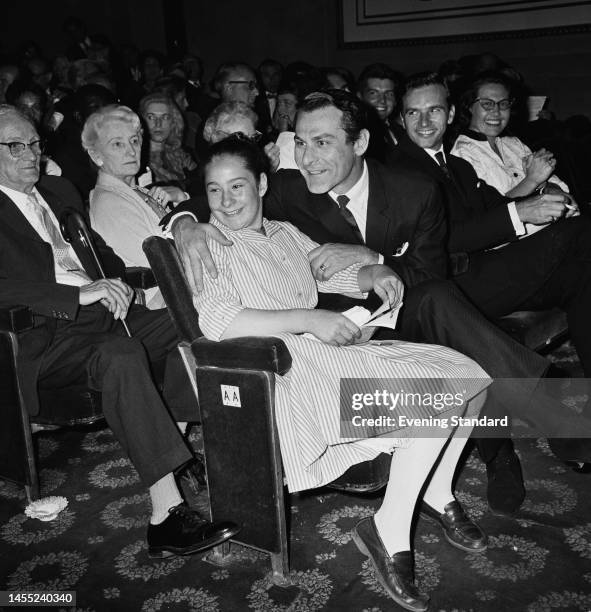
[550,268]
[79,336]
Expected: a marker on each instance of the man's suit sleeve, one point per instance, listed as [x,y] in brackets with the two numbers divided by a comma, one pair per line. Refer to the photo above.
[485,222]
[274,203]
[196,205]
[426,257]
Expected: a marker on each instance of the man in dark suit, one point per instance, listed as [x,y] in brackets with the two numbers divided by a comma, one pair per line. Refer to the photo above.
[550,268]
[78,336]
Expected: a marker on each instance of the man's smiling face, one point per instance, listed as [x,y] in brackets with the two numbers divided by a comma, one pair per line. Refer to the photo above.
[426,115]
[326,157]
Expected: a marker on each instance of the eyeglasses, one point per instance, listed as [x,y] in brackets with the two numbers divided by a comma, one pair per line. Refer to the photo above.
[251,84]
[255,137]
[17,149]
[488,105]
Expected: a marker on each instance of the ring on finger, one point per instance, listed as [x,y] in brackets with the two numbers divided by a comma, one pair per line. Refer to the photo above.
[322,268]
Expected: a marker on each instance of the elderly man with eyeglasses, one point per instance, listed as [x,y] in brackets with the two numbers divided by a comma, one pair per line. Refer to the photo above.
[79,335]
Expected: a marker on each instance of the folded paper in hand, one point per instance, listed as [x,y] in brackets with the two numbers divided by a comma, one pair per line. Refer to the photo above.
[384,316]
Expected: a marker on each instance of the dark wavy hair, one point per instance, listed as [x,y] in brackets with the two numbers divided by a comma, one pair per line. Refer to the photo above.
[470,93]
[242,147]
[423,79]
[355,115]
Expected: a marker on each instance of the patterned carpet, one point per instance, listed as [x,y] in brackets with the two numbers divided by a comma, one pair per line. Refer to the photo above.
[537,561]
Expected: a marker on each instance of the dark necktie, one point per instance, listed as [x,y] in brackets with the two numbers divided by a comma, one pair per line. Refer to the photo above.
[441,161]
[342,201]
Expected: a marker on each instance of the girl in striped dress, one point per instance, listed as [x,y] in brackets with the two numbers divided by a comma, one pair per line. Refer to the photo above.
[265,287]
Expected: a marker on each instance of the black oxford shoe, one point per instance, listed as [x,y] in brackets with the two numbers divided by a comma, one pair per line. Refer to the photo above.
[458,529]
[505,490]
[184,532]
[396,573]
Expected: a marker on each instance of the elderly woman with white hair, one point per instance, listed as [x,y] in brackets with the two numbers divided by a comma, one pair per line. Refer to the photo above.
[237,118]
[123,213]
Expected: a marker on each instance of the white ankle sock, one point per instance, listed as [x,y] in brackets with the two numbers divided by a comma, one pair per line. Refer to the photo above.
[164,495]
[410,467]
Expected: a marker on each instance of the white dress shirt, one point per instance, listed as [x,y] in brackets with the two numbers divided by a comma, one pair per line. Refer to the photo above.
[358,200]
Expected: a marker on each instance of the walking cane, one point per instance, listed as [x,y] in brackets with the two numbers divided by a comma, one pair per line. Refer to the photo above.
[74,228]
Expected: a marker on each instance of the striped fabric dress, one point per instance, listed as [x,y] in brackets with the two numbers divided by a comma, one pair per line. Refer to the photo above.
[271,271]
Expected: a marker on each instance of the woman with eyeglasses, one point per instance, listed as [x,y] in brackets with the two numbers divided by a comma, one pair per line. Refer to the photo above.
[499,159]
[169,163]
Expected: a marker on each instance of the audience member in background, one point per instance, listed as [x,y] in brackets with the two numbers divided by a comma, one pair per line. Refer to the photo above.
[337,77]
[270,72]
[377,87]
[503,161]
[552,268]
[237,118]
[8,74]
[255,294]
[67,148]
[176,87]
[39,72]
[121,212]
[77,39]
[169,163]
[60,84]
[286,108]
[236,82]
[31,100]
[200,102]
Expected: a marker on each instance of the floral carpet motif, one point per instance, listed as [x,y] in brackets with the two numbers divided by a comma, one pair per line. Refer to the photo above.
[537,561]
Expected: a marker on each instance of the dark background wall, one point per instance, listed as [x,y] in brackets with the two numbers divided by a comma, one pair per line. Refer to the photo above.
[558,66]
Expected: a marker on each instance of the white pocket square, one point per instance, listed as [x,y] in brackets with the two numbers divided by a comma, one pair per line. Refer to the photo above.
[401,250]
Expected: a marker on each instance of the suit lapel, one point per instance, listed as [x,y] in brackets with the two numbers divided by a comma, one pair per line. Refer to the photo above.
[328,214]
[15,220]
[450,185]
[378,217]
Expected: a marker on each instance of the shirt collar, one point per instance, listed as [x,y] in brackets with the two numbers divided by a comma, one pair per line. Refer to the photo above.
[473,134]
[18,196]
[433,152]
[357,190]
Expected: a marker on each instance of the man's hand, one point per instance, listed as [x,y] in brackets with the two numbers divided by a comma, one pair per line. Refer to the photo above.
[333,328]
[541,209]
[190,239]
[328,259]
[112,293]
[387,285]
[167,194]
[572,208]
[273,154]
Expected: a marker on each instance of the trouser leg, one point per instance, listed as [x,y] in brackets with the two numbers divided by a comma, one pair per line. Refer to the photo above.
[118,367]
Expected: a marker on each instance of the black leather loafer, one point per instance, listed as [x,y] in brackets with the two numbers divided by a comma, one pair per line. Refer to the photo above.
[184,532]
[458,529]
[396,573]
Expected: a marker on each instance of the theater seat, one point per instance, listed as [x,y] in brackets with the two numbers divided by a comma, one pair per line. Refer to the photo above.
[235,384]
